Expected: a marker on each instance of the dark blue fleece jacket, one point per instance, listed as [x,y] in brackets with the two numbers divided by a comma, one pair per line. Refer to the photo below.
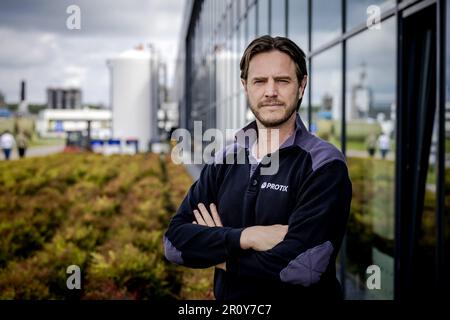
[310,192]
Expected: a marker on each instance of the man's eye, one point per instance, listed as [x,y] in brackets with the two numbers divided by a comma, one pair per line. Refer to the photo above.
[283,81]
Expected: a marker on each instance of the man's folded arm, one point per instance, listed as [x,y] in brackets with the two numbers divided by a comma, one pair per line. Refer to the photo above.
[194,245]
[315,232]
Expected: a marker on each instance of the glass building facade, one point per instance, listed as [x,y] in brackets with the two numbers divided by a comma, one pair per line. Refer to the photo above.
[378,89]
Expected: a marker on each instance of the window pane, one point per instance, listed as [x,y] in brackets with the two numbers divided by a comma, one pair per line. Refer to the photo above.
[251,34]
[326,88]
[229,80]
[278,23]
[326,21]
[242,102]
[235,77]
[263,17]
[298,23]
[370,137]
[304,106]
[365,11]
[242,8]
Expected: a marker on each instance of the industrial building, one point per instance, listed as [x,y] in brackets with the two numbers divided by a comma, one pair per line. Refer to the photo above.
[55,123]
[64,98]
[135,95]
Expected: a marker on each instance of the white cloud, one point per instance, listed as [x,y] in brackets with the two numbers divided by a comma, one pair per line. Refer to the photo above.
[23,50]
[74,76]
[43,51]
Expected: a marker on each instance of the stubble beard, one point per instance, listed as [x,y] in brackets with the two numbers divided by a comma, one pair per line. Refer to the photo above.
[274,122]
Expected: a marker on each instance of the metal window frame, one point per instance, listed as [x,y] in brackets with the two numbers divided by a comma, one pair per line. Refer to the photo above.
[441,81]
[403,10]
[343,251]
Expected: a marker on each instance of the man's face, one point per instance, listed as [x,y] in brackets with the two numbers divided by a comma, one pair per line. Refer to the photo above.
[272,87]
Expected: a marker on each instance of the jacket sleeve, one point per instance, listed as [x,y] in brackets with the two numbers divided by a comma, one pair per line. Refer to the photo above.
[194,245]
[315,232]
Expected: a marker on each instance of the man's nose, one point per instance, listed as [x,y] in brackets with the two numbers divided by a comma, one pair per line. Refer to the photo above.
[271,90]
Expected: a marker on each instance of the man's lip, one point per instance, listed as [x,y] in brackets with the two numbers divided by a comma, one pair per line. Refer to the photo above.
[272,105]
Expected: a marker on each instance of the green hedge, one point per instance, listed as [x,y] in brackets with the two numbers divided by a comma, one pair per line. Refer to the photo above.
[104,214]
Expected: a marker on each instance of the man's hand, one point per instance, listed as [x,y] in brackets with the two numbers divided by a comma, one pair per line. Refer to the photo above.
[263,238]
[203,218]
[258,238]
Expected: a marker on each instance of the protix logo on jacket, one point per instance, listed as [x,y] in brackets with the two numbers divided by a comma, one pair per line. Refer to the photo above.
[274,186]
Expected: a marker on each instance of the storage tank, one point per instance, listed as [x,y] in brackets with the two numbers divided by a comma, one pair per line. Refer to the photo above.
[134,96]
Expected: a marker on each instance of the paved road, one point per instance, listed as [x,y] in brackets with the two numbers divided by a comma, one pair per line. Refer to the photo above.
[364,154]
[37,151]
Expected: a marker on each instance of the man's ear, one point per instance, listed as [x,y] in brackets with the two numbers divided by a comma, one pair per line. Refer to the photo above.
[301,89]
[244,84]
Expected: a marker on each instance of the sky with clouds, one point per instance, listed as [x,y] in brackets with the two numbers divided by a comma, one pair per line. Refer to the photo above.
[37,46]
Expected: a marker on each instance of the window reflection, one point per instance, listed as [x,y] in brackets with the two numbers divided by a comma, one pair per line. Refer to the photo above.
[370,133]
[251,17]
[242,7]
[263,17]
[278,21]
[298,22]
[223,67]
[446,218]
[426,246]
[360,11]
[234,79]
[326,88]
[326,21]
[242,101]
[214,96]
[305,100]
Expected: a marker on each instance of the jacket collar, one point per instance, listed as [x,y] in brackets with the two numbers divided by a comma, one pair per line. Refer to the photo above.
[246,136]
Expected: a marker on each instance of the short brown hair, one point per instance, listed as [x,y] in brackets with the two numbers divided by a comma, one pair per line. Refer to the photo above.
[267,43]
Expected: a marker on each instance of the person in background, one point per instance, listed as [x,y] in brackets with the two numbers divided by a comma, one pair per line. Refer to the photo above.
[22,144]
[371,144]
[383,144]
[7,142]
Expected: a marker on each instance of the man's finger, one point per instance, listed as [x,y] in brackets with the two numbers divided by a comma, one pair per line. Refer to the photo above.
[215,215]
[194,222]
[206,216]
[199,218]
[222,266]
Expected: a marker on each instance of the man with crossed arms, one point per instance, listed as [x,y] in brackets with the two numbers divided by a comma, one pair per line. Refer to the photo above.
[270,236]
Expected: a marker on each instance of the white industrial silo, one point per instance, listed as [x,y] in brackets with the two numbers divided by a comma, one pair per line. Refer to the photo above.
[134,96]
